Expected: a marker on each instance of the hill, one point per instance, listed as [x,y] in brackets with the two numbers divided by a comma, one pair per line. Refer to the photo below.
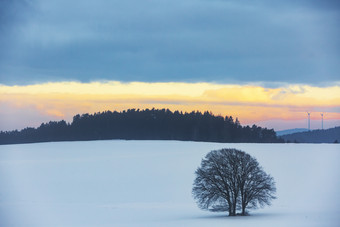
[145,124]
[290,131]
[316,136]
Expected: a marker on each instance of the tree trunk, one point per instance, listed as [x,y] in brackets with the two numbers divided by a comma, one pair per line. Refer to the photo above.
[235,205]
[244,205]
[243,210]
[232,210]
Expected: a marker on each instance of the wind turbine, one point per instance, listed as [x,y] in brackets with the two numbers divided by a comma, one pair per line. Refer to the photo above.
[322,121]
[308,121]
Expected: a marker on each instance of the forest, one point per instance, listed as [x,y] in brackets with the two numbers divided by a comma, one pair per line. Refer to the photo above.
[148,124]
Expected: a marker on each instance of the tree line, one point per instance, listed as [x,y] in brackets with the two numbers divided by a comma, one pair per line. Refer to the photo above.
[148,124]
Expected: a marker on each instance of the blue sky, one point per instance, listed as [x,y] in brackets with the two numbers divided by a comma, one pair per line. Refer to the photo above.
[159,41]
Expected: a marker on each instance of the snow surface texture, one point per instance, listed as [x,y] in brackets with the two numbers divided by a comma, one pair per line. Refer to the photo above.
[148,183]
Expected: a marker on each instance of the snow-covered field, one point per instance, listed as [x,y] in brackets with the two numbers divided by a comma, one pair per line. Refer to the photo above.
[148,183]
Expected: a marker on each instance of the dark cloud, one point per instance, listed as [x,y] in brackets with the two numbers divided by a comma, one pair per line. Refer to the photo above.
[13,16]
[223,41]
[11,12]
[326,4]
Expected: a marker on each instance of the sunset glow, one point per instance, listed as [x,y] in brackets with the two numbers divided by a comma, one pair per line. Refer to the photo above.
[250,103]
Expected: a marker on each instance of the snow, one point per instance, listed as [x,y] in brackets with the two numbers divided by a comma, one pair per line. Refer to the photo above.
[148,183]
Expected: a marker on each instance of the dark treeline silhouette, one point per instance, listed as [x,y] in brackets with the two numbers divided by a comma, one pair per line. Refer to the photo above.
[331,135]
[145,124]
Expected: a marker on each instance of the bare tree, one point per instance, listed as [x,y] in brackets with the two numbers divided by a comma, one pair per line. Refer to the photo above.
[257,188]
[229,180]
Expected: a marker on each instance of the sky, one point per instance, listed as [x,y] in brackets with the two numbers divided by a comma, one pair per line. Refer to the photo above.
[265,62]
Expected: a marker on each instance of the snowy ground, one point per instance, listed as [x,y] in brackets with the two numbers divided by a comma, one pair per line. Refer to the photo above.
[148,183]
